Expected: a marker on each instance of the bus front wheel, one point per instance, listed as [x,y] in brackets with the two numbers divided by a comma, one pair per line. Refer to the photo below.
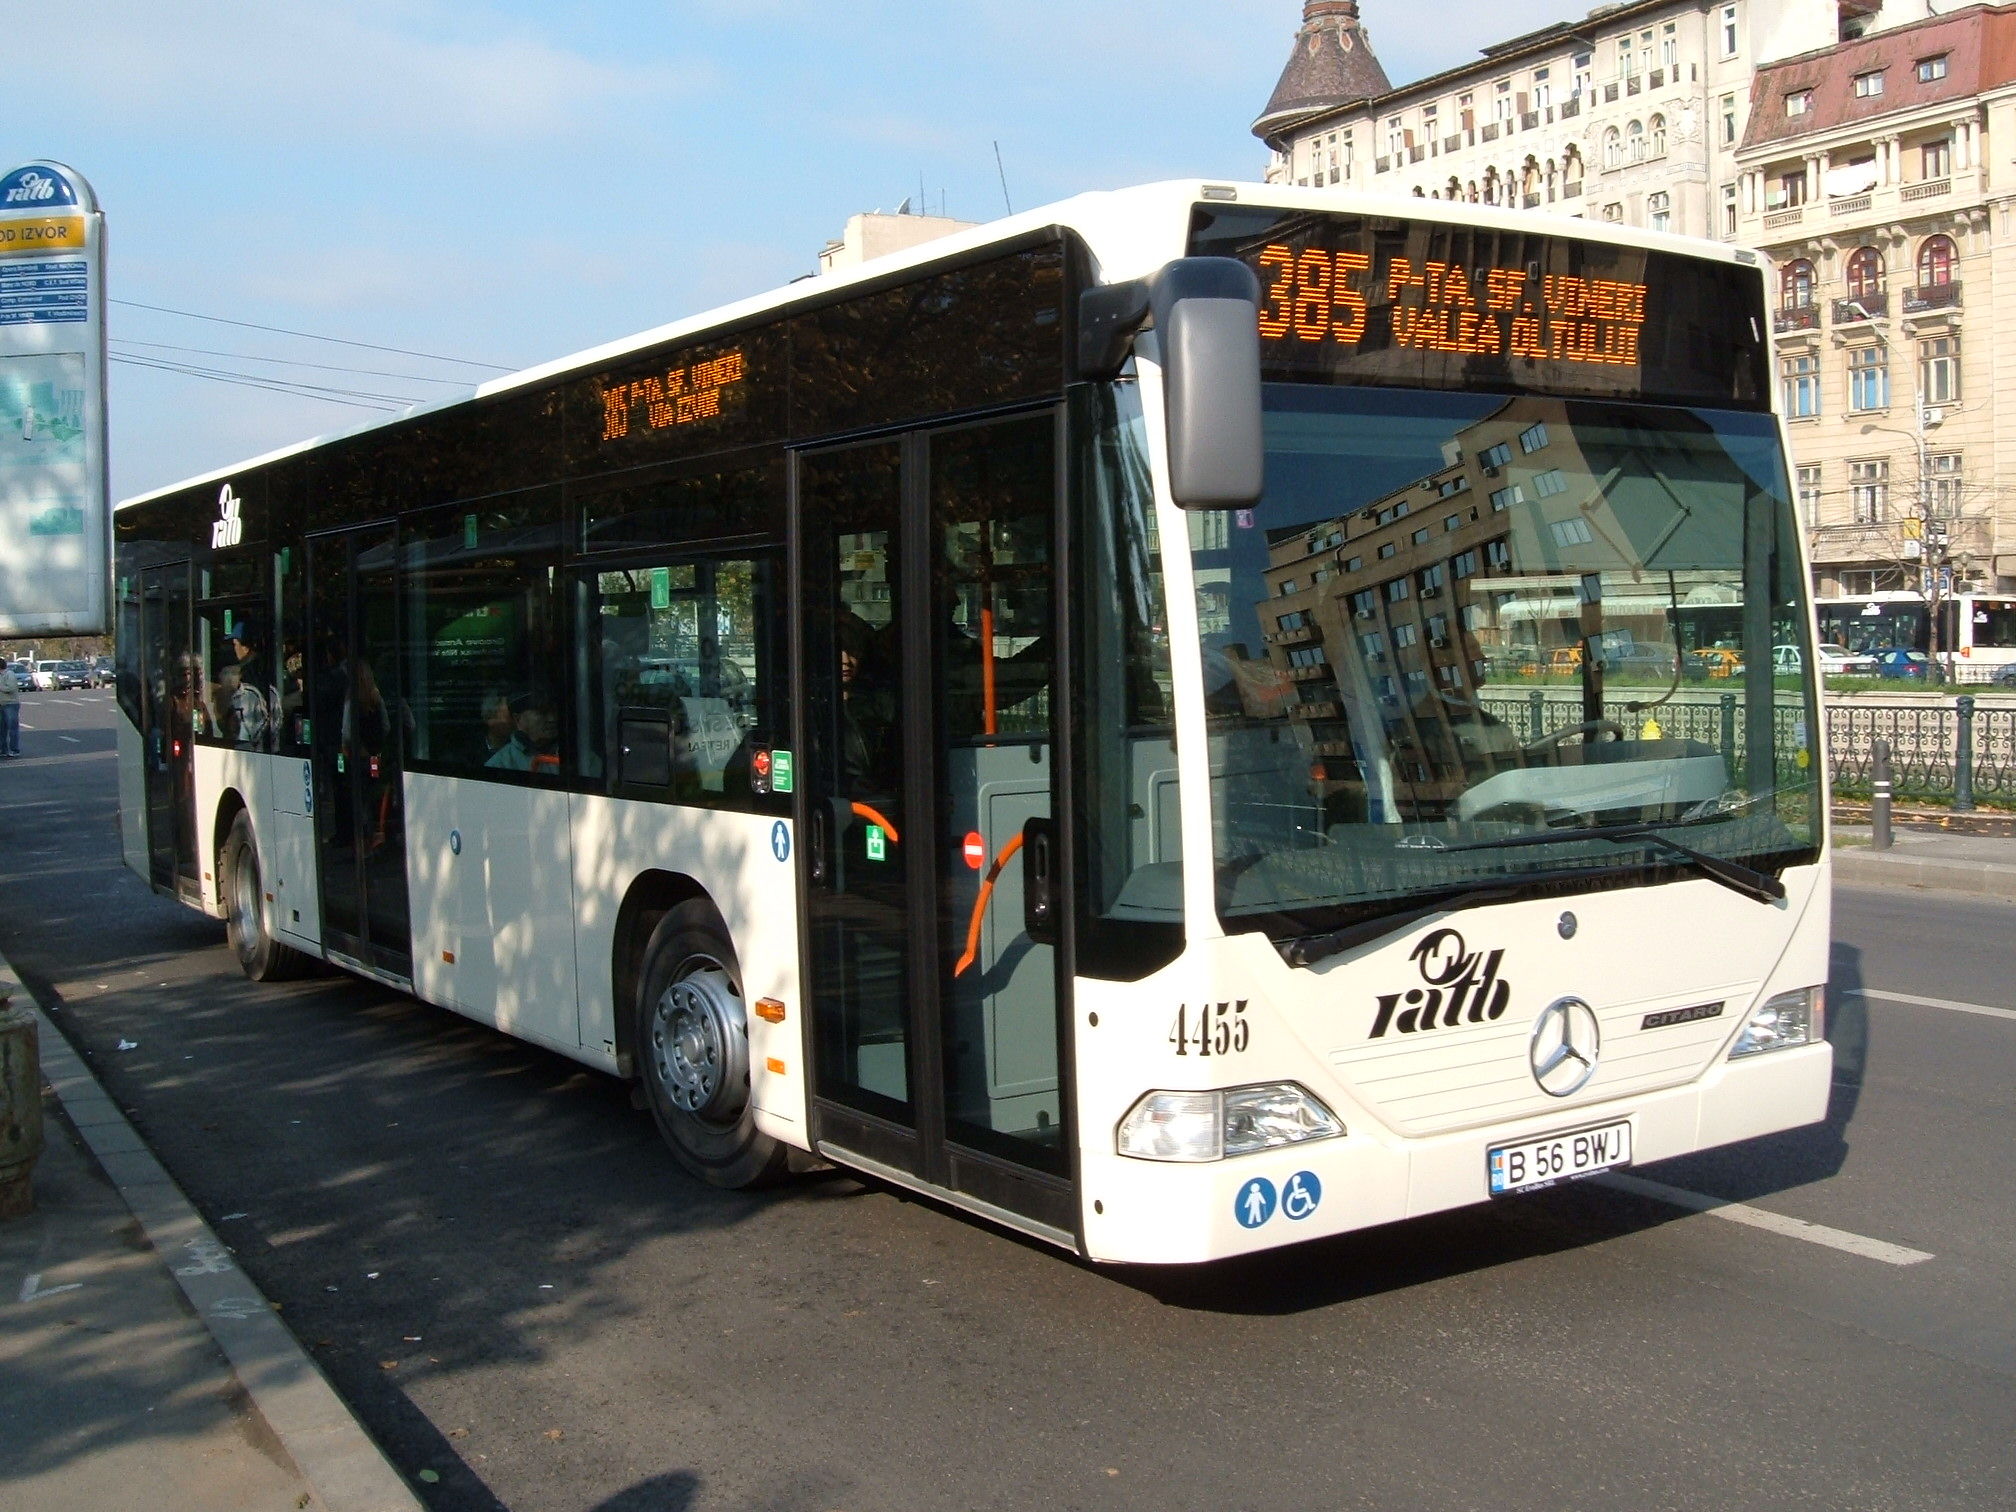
[260,956]
[692,1052]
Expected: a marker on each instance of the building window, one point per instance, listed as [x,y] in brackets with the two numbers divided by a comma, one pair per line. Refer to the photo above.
[1307,656]
[1869,491]
[1935,262]
[1729,210]
[1547,484]
[1293,621]
[1795,285]
[1494,457]
[1573,532]
[1585,72]
[1942,486]
[1935,159]
[1372,644]
[1398,591]
[1356,564]
[1939,370]
[1865,273]
[1387,550]
[1802,387]
[1396,137]
[1288,586]
[1452,522]
[1634,135]
[1868,85]
[1498,555]
[1669,44]
[1729,120]
[1463,564]
[1627,65]
[1657,145]
[1432,578]
[1659,211]
[1421,536]
[1809,492]
[1791,190]
[1614,212]
[1728,31]
[1505,498]
[1931,70]
[1613,148]
[1405,635]
[1533,438]
[1543,91]
[1798,102]
[1868,379]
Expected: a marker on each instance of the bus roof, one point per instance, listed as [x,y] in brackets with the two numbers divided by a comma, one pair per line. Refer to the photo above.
[1131,232]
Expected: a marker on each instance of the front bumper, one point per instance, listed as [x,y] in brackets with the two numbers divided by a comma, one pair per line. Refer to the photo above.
[1144,1212]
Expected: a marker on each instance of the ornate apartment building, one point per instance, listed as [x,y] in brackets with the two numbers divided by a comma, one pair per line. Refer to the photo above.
[1870,175]
[1633,113]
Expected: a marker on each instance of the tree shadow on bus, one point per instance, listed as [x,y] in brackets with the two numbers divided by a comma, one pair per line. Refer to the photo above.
[1578,1215]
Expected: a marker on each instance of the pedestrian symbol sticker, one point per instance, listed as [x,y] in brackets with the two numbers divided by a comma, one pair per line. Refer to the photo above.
[780,841]
[1255,1203]
[1301,1195]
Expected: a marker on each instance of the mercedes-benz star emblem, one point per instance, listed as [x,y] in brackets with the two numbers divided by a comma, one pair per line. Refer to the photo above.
[1566,1042]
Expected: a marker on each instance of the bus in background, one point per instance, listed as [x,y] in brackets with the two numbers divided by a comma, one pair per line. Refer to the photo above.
[1977,631]
[1160,722]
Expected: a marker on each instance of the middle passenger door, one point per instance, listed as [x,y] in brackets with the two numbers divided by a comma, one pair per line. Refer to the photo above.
[928,654]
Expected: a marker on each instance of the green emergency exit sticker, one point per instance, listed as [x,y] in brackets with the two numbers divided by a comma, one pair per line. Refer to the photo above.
[878,847]
[469,532]
[661,587]
[780,771]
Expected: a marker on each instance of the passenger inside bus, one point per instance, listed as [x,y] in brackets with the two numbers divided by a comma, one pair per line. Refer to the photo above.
[534,743]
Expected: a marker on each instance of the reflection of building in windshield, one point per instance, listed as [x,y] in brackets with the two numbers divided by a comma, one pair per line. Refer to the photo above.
[1384,623]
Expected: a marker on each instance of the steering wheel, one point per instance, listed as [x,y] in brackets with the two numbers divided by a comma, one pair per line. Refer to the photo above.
[1588,729]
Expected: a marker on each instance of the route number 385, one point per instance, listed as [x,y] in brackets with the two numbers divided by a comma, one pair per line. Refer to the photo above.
[1211,1029]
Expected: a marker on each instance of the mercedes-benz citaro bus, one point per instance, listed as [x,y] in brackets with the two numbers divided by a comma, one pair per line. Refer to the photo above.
[1176,722]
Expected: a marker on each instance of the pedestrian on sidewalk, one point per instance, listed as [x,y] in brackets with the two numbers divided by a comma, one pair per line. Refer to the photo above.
[10,712]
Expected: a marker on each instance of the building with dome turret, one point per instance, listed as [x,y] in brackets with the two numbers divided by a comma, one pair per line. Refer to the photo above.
[1631,113]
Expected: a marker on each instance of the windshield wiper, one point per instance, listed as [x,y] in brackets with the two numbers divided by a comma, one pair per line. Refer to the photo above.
[1733,875]
[1307,952]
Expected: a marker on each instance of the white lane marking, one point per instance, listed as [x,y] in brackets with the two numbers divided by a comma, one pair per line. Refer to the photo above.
[1775,1223]
[1930,1002]
[31,1289]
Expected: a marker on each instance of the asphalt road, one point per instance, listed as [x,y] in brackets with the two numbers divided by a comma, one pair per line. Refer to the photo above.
[485,1248]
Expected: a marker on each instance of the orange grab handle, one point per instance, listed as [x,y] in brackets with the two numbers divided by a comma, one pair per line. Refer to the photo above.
[980,903]
[876,816]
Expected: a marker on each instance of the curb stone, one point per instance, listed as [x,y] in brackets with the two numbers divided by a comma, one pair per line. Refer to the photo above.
[344,1465]
[1983,879]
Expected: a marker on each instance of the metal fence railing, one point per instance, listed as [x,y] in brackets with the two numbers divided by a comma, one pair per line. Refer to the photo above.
[1954,752]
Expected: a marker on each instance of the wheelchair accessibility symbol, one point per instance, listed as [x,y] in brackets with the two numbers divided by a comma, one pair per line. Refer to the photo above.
[1301,1195]
[780,841]
[1255,1203]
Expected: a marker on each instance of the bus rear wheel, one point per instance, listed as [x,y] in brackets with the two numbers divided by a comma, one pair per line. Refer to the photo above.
[692,1052]
[260,956]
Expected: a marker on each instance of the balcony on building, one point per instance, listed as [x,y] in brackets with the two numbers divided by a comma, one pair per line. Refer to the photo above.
[1929,298]
[1871,305]
[1803,317]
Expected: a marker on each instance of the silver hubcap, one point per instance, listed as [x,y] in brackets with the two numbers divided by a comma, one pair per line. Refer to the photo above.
[245,905]
[700,1044]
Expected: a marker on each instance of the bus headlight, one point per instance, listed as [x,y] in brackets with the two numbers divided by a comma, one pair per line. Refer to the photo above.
[1196,1126]
[1790,1018]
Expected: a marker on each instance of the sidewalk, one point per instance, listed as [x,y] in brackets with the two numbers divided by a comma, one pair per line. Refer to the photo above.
[1984,865]
[139,1367]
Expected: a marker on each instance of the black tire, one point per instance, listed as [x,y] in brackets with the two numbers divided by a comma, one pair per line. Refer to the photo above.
[692,1052]
[260,956]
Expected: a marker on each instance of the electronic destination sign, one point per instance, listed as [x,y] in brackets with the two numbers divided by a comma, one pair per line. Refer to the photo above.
[1374,299]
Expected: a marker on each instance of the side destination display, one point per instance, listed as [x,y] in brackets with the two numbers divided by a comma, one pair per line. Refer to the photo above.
[1379,299]
[55,514]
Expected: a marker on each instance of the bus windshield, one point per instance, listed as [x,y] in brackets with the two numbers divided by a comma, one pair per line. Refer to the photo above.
[1457,622]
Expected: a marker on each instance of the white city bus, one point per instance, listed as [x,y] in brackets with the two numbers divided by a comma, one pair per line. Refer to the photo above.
[1977,631]
[1160,722]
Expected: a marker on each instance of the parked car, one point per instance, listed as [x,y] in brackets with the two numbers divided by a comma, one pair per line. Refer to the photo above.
[1835,660]
[1713,661]
[45,677]
[73,674]
[1902,662]
[2006,678]
[103,672]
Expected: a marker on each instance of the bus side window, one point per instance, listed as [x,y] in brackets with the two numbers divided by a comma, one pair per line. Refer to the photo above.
[483,640]
[685,691]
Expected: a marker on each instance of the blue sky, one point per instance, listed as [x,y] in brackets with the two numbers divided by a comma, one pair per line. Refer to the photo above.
[509,181]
